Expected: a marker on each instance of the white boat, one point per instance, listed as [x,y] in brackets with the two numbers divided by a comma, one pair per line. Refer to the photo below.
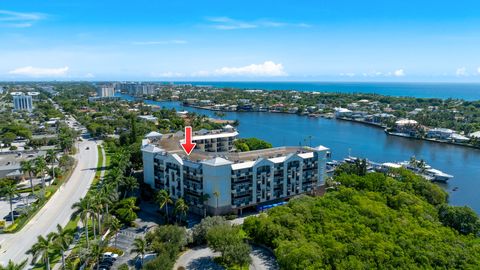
[438,175]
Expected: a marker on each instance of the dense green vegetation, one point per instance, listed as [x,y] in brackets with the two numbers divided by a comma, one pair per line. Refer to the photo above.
[250,144]
[373,221]
[117,117]
[166,241]
[229,241]
[199,231]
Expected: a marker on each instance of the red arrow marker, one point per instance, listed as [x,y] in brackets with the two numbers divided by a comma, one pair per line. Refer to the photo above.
[188,145]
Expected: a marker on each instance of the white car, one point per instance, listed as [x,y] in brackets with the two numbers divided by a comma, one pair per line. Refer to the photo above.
[110,255]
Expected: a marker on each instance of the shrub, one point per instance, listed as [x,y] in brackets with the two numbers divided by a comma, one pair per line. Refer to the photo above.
[199,231]
[123,267]
[231,216]
[11,228]
[229,241]
[114,250]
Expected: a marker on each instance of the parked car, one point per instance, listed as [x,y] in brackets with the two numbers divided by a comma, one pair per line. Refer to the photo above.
[110,255]
[8,217]
[106,262]
[102,267]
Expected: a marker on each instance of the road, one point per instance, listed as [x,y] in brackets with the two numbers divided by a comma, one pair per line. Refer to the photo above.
[57,210]
[201,258]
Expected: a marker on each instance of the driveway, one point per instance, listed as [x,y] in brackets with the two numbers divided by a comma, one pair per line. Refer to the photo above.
[202,258]
[57,210]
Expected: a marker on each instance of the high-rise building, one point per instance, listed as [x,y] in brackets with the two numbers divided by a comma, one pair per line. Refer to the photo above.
[105,91]
[22,102]
[232,181]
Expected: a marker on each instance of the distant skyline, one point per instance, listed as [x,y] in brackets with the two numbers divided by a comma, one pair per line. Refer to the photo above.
[352,41]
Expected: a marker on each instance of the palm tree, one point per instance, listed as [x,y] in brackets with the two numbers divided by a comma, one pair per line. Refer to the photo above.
[217,195]
[97,204]
[163,199]
[128,209]
[12,266]
[62,240]
[42,249]
[52,157]
[181,207]
[83,210]
[115,226]
[205,197]
[413,161]
[108,196]
[114,177]
[129,184]
[96,251]
[40,167]
[422,165]
[139,247]
[27,167]
[10,191]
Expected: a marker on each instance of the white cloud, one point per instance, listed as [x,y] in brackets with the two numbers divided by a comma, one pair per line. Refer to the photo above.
[89,76]
[227,23]
[168,74]
[399,73]
[347,74]
[373,74]
[478,70]
[461,72]
[30,71]
[395,73]
[201,73]
[19,19]
[160,42]
[267,69]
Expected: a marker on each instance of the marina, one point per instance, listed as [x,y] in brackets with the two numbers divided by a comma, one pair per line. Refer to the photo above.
[420,168]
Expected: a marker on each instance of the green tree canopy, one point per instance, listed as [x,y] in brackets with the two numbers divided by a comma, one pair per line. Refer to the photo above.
[370,222]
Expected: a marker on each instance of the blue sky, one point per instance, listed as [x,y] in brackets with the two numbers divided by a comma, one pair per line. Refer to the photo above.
[240,40]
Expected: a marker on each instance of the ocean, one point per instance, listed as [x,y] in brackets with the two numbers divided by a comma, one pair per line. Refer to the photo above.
[466,91]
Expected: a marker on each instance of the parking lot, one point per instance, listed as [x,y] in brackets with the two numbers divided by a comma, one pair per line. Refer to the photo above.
[19,204]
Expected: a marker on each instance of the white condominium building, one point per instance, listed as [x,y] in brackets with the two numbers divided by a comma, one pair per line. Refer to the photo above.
[22,102]
[222,181]
[105,91]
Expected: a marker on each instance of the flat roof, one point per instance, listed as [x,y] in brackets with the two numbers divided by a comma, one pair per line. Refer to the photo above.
[171,143]
[215,136]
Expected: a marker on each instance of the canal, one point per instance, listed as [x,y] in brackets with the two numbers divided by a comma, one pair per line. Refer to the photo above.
[344,137]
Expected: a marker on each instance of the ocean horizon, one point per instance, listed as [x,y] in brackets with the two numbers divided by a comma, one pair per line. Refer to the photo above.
[465,91]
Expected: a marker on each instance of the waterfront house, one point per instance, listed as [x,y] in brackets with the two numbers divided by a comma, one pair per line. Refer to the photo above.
[342,112]
[191,101]
[382,117]
[407,127]
[440,133]
[475,135]
[205,102]
[459,138]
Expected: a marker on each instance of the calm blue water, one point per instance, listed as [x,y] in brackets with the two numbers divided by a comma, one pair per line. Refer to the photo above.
[467,91]
[362,141]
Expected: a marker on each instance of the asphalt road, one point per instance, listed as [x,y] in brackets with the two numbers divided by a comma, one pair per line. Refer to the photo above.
[201,258]
[58,208]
